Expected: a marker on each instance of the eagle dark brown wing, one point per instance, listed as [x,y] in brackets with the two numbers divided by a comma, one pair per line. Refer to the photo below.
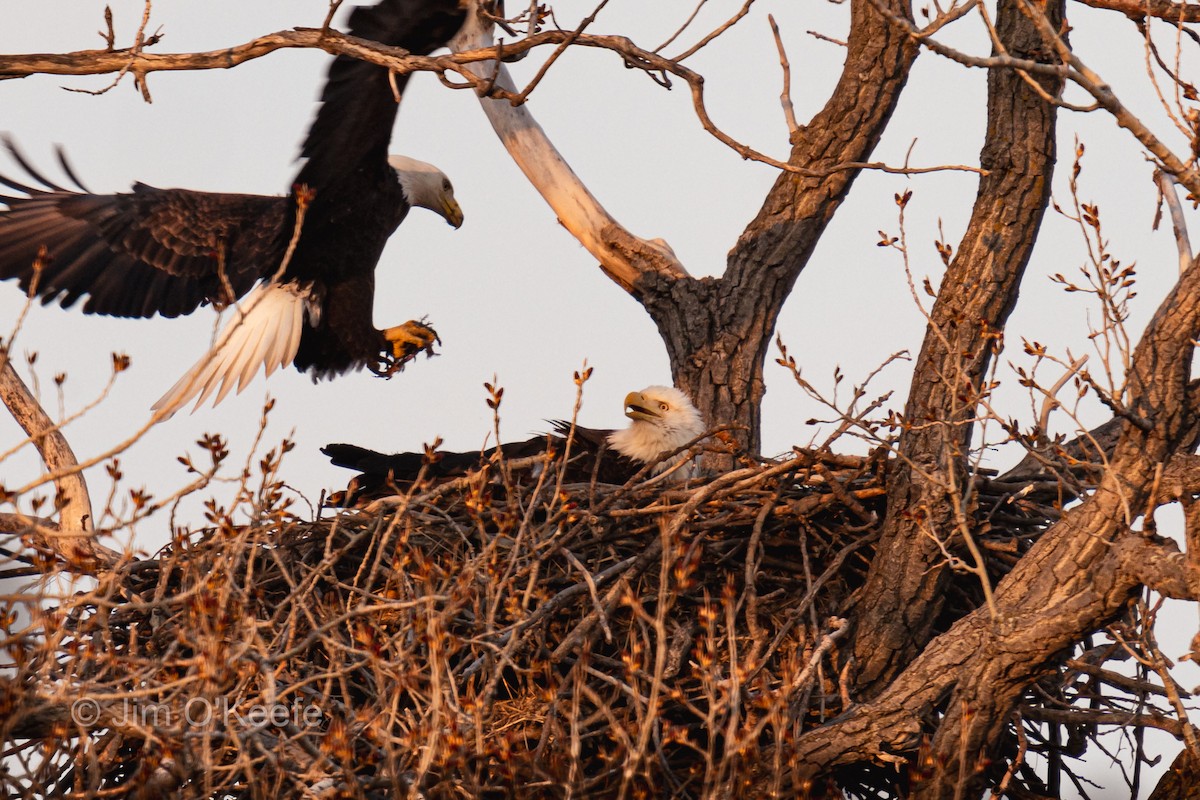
[591,457]
[166,251]
[404,468]
[381,474]
[359,102]
[146,252]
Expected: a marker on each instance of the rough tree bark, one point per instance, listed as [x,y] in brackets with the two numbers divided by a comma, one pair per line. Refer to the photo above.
[717,330]
[1079,574]
[904,592]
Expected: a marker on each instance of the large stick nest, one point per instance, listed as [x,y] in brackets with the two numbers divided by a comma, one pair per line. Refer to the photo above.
[502,635]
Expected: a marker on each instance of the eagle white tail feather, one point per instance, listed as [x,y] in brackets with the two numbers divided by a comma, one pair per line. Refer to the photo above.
[264,331]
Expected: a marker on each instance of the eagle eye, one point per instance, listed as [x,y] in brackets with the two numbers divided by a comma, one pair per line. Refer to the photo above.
[664,406]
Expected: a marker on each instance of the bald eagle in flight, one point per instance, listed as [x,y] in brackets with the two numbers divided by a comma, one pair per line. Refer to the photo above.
[662,420]
[308,302]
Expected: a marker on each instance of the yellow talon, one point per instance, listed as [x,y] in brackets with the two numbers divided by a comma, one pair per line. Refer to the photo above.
[411,338]
[407,341]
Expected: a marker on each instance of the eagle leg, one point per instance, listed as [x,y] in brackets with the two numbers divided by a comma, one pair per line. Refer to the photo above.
[404,343]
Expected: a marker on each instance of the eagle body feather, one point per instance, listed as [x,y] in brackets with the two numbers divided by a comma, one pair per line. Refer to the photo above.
[337,255]
[663,420]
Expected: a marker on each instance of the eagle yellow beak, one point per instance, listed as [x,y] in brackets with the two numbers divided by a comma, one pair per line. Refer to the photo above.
[452,212]
[637,407]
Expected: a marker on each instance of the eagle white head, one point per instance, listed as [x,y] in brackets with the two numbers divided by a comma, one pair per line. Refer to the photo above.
[663,419]
[428,187]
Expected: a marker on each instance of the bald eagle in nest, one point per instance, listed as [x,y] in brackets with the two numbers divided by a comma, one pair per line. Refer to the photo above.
[307,302]
[662,420]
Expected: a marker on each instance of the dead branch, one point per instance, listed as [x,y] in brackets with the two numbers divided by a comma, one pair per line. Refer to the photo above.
[73,540]
[1178,221]
[1140,9]
[785,94]
[624,257]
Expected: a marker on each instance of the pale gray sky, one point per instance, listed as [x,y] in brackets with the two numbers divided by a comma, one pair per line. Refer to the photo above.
[512,294]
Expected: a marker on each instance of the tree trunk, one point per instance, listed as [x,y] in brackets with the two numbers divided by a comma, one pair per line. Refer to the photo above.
[716,334]
[717,331]
[1180,781]
[1078,575]
[904,592]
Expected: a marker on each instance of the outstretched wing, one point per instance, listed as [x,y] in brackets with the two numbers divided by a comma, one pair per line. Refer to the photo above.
[358,104]
[149,251]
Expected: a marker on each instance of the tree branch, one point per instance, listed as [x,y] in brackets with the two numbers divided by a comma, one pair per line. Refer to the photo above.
[1158,564]
[1178,221]
[1075,577]
[73,540]
[1140,9]
[1073,69]
[624,257]
[904,592]
[800,205]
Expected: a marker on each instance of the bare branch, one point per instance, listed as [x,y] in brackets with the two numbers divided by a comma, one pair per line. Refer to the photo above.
[1178,221]
[94,62]
[558,51]
[624,257]
[465,63]
[1072,68]
[109,34]
[1140,9]
[682,28]
[785,96]
[334,5]
[73,540]
[1051,400]
[729,23]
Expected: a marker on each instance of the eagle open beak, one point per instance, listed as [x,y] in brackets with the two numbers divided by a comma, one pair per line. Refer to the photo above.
[636,407]
[452,212]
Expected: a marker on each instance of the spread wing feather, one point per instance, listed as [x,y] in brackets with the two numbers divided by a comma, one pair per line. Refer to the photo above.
[137,254]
